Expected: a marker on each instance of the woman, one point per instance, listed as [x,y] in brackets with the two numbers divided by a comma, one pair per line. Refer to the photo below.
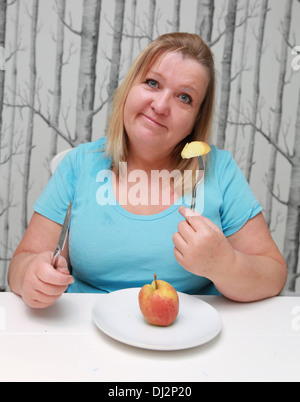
[123,227]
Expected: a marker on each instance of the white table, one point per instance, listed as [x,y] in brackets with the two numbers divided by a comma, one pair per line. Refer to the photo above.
[259,341]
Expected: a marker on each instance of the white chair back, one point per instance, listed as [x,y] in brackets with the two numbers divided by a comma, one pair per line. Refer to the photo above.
[58,158]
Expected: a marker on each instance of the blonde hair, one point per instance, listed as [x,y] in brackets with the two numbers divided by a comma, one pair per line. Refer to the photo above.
[190,46]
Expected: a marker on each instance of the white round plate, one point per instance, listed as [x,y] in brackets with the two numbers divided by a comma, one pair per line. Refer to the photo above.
[118,315]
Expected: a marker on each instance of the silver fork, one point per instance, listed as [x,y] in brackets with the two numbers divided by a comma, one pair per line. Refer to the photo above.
[198,180]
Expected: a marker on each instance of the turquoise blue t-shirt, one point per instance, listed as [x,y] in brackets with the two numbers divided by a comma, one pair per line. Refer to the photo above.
[111,248]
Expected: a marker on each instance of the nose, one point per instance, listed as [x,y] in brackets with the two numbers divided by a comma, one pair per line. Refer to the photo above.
[161,103]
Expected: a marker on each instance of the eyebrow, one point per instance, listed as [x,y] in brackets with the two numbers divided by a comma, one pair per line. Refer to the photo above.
[188,89]
[185,87]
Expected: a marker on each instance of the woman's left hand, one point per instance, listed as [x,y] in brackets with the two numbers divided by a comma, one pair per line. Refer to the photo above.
[201,247]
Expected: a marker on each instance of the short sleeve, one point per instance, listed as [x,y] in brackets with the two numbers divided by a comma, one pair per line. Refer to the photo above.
[59,191]
[238,201]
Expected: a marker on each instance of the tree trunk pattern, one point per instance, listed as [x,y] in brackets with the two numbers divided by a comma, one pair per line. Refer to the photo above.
[87,70]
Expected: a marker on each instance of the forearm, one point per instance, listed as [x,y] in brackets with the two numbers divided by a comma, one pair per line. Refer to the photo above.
[252,277]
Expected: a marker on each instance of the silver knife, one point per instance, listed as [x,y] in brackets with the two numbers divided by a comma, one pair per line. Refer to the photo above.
[63,236]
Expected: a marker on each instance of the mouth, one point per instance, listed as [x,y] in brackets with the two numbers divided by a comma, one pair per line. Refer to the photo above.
[152,121]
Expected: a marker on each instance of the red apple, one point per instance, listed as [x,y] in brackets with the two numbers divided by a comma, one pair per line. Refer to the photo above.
[159,302]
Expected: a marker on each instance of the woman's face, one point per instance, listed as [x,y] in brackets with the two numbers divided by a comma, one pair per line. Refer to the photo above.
[161,111]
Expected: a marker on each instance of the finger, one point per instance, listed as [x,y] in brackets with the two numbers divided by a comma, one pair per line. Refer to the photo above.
[62,265]
[37,299]
[178,256]
[179,242]
[43,288]
[44,299]
[185,230]
[49,293]
[187,212]
[193,218]
[46,258]
[196,221]
[52,276]
[62,262]
[36,303]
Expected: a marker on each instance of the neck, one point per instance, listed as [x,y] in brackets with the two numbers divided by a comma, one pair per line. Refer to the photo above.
[149,162]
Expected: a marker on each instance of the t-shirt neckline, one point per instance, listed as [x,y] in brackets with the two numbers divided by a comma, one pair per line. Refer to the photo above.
[118,207]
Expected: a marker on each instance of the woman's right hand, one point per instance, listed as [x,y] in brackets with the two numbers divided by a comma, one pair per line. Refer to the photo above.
[43,284]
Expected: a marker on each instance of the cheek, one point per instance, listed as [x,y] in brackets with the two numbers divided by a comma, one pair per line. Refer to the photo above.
[134,99]
[137,102]
[127,105]
[185,124]
[132,105]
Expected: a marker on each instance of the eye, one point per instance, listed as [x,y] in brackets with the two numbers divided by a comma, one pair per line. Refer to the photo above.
[185,98]
[152,83]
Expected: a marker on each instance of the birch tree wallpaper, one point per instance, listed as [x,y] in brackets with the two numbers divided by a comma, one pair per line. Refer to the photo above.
[61,60]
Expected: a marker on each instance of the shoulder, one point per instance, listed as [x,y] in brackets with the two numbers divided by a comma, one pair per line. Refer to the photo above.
[220,156]
[221,162]
[83,159]
[86,154]
[88,148]
[226,173]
